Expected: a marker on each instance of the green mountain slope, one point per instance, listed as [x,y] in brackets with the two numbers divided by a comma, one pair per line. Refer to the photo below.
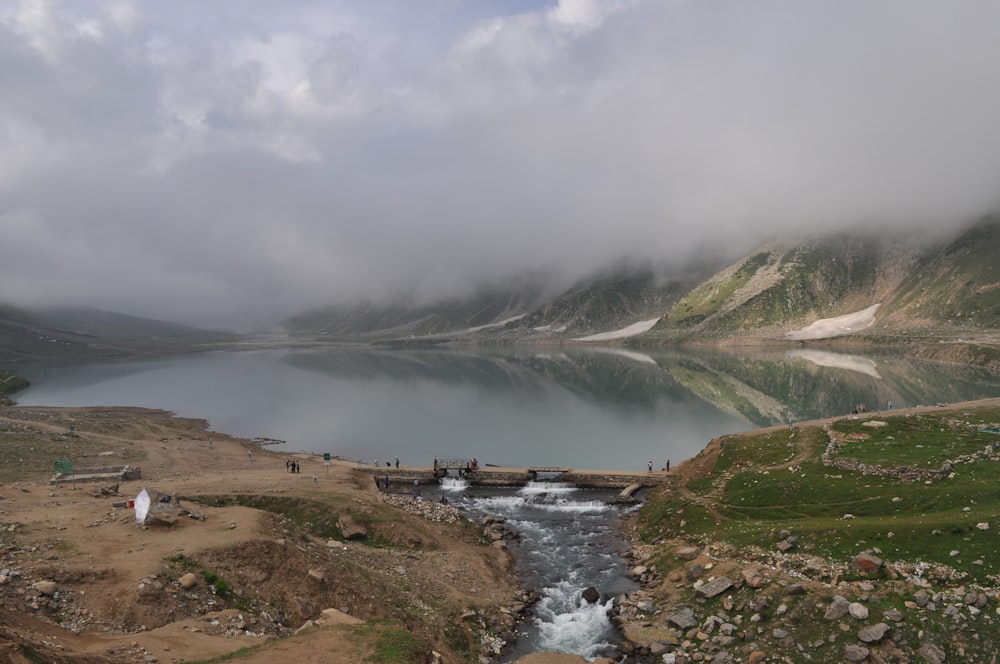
[783,285]
[958,286]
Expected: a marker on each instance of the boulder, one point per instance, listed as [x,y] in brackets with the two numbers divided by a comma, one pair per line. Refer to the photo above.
[591,595]
[837,608]
[932,653]
[336,617]
[866,563]
[46,587]
[855,653]
[687,552]
[713,588]
[682,617]
[874,634]
[858,611]
[753,578]
[188,581]
[349,528]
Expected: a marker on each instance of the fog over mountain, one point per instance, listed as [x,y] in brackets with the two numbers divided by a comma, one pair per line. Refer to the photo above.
[226,163]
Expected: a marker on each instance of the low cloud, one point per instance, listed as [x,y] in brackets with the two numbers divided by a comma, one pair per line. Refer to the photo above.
[210,162]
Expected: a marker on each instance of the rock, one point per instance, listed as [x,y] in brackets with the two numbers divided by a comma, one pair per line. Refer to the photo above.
[795,589]
[931,653]
[854,653]
[753,578]
[349,528]
[336,617]
[894,615]
[837,608]
[866,563]
[756,657]
[858,610]
[638,571]
[694,572]
[683,617]
[874,634]
[188,581]
[47,588]
[317,575]
[591,595]
[687,552]
[921,597]
[713,588]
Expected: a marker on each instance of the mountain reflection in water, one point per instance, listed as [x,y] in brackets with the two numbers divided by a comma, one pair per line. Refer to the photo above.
[577,407]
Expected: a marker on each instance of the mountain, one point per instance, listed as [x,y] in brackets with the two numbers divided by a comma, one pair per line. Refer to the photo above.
[524,310]
[941,298]
[81,334]
[906,288]
[402,320]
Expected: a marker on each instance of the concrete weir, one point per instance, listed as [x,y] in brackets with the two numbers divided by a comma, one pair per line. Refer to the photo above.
[628,483]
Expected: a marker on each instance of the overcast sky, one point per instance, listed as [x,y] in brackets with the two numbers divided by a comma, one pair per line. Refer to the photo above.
[213,162]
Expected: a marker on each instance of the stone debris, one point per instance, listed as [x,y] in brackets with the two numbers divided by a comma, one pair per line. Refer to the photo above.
[745,627]
[428,509]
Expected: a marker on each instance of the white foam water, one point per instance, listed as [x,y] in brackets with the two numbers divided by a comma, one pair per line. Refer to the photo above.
[567,541]
[546,487]
[568,623]
[454,484]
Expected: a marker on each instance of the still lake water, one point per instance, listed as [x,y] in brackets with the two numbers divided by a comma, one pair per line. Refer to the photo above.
[573,407]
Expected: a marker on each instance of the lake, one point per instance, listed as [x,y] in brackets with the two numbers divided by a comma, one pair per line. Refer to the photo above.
[577,407]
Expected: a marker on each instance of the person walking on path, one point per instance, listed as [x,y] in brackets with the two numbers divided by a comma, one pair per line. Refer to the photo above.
[249,455]
[668,465]
[650,466]
[397,463]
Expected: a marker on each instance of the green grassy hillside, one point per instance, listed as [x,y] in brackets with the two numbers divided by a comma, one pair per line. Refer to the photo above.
[892,512]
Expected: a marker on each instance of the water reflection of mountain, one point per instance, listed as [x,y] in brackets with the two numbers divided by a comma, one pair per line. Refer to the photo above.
[762,388]
[621,378]
[769,387]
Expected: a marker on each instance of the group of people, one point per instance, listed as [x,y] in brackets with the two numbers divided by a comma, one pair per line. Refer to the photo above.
[292,466]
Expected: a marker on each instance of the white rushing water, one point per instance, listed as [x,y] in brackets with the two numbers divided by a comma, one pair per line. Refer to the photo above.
[568,542]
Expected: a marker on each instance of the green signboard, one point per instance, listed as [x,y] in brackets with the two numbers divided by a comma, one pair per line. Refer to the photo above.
[64,466]
[326,458]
